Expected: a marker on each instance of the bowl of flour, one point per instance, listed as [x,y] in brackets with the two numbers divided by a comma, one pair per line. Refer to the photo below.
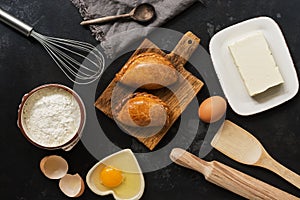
[52,116]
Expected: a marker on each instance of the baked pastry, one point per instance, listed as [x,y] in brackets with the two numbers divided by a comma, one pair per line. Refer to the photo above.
[142,109]
[148,71]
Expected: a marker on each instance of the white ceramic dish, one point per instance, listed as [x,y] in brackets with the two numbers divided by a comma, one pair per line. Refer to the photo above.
[125,161]
[228,74]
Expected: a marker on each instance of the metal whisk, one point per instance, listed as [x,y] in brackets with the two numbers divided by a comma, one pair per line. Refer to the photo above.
[81,62]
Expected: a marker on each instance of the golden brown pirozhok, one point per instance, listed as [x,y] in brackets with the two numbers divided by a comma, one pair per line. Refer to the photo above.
[142,109]
[148,71]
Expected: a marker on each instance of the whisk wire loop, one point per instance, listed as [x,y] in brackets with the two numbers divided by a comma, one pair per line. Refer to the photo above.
[62,51]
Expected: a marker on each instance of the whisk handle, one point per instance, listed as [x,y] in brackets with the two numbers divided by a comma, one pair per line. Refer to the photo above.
[15,23]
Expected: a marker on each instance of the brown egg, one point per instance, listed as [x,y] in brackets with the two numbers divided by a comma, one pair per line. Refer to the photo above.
[212,109]
[149,71]
[142,109]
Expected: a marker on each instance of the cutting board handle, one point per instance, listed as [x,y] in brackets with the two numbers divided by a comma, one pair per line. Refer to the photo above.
[184,49]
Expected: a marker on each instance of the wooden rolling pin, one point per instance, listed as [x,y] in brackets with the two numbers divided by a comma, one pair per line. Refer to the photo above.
[229,178]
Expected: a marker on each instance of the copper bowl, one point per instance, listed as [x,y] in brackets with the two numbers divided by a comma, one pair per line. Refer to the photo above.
[73,141]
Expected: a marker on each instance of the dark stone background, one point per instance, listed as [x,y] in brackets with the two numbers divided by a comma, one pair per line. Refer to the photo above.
[25,65]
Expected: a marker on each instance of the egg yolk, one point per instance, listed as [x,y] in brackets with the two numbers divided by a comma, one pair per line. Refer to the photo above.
[111,177]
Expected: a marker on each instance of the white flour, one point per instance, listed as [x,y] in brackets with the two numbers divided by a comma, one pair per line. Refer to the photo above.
[51,117]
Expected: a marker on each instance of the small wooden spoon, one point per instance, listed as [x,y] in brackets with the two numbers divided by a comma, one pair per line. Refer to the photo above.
[241,146]
[142,13]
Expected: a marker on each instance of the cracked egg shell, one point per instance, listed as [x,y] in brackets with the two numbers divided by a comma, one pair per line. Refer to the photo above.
[54,167]
[72,185]
[141,110]
[148,71]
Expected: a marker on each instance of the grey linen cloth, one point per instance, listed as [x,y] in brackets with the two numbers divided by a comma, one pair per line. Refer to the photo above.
[114,37]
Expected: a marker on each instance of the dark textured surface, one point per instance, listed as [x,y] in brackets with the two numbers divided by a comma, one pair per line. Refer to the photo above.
[25,65]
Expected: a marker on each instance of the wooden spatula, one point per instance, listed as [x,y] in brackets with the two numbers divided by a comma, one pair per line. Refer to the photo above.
[241,146]
[229,178]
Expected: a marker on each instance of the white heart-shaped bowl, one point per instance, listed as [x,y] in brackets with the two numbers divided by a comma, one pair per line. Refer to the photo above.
[126,162]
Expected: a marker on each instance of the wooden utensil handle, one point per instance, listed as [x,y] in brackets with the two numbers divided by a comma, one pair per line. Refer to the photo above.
[229,178]
[104,19]
[269,163]
[244,184]
[188,160]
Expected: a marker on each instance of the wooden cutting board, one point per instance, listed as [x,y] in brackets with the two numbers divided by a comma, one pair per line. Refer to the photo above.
[177,97]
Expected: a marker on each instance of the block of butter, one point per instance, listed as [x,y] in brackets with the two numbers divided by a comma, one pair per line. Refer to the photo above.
[256,64]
